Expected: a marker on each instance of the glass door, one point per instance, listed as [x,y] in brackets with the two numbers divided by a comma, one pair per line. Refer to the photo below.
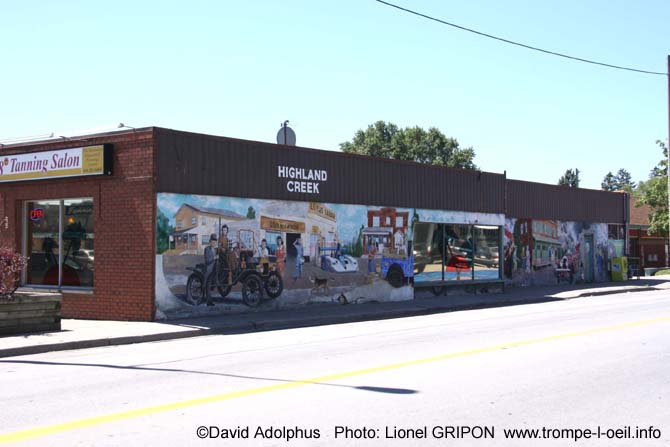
[43,232]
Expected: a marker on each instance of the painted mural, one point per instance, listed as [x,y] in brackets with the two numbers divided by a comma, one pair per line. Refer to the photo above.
[232,255]
[225,254]
[548,252]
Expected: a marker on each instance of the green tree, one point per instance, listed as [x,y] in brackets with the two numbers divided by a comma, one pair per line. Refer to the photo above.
[570,178]
[608,183]
[624,181]
[654,192]
[431,146]
[251,213]
[163,231]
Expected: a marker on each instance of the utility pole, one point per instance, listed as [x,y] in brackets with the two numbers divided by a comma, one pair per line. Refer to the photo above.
[667,247]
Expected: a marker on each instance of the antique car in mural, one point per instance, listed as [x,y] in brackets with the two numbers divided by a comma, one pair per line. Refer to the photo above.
[240,266]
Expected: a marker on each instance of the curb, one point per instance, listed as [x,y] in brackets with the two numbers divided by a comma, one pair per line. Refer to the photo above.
[97,343]
[261,325]
[611,292]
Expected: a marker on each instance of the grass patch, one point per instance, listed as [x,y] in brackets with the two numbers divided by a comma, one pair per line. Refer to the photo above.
[662,272]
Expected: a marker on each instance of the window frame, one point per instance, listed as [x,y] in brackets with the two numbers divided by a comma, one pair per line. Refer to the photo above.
[25,243]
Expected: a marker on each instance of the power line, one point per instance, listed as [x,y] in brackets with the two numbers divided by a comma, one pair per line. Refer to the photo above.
[529,47]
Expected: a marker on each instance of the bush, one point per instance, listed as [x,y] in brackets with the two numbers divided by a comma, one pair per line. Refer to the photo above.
[11,264]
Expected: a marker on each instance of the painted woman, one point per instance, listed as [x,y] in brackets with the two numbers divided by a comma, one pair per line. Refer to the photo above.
[280,253]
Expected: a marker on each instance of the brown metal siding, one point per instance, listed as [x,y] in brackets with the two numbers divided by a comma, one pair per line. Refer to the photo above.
[200,164]
[540,201]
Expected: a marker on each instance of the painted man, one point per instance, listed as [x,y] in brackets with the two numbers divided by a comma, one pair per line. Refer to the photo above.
[299,260]
[211,256]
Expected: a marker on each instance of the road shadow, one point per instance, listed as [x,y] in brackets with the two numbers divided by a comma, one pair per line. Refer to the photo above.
[375,389]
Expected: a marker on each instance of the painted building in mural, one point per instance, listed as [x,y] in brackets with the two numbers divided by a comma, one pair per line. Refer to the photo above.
[187,224]
[535,249]
[316,249]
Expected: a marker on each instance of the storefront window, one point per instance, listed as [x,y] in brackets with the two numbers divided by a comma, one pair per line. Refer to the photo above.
[428,251]
[458,259]
[271,241]
[42,248]
[447,252]
[616,232]
[59,243]
[486,260]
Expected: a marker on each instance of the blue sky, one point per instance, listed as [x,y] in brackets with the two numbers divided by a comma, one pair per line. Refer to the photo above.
[332,67]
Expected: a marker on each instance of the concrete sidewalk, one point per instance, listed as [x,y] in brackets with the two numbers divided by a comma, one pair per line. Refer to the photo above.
[78,334]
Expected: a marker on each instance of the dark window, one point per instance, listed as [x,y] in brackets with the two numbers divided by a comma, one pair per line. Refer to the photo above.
[60,237]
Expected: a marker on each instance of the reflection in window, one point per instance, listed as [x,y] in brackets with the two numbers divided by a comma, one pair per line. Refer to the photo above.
[77,239]
[60,243]
[428,251]
[42,235]
[487,256]
[455,252]
[458,262]
[616,232]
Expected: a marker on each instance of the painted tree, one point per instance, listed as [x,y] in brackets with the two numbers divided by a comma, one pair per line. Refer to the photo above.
[654,192]
[431,146]
[163,231]
[251,213]
[357,246]
[570,178]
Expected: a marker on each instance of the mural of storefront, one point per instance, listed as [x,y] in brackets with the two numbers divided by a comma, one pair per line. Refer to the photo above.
[288,226]
[386,230]
[193,226]
[546,252]
[318,257]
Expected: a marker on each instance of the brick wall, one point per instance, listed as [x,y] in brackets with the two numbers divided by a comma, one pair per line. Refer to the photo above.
[124,225]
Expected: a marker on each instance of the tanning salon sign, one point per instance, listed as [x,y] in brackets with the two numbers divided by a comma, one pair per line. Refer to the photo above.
[72,162]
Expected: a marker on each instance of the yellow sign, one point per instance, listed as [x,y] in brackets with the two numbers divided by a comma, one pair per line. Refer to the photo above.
[93,160]
[71,162]
[323,211]
[284,226]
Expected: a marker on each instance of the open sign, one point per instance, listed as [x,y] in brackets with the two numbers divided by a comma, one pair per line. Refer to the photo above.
[36,214]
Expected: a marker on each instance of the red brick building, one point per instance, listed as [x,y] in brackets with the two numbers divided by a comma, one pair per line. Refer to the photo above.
[650,249]
[94,214]
[118,211]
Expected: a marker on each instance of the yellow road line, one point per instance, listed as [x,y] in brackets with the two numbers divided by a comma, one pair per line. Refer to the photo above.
[114,417]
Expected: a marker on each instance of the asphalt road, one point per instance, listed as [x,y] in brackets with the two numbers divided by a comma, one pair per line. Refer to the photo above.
[599,362]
